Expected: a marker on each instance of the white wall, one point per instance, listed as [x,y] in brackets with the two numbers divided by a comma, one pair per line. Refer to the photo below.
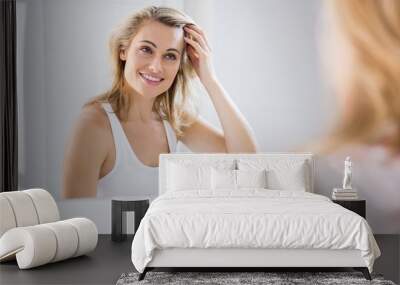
[265,53]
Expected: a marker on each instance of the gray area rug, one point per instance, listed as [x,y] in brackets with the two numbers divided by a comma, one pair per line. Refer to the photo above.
[273,278]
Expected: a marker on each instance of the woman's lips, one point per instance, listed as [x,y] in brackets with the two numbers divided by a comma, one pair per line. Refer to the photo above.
[151,80]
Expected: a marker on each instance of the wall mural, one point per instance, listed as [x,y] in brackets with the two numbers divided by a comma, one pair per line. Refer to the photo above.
[111,90]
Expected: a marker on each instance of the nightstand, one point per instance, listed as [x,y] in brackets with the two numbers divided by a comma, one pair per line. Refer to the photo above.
[119,205]
[357,206]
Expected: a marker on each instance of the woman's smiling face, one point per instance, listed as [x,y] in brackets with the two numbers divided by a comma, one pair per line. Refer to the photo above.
[153,58]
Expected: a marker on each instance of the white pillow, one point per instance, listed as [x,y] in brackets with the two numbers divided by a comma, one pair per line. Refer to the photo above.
[289,179]
[282,174]
[184,177]
[237,179]
[251,178]
[223,179]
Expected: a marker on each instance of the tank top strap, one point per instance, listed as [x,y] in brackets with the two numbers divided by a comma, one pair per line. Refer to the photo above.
[171,136]
[116,128]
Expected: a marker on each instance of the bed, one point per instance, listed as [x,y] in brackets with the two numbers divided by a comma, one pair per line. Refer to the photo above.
[244,211]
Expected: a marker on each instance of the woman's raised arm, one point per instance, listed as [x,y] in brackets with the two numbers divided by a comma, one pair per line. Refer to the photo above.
[237,135]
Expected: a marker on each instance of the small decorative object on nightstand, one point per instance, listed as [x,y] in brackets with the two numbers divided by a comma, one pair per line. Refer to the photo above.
[347,178]
[139,205]
[347,192]
[357,206]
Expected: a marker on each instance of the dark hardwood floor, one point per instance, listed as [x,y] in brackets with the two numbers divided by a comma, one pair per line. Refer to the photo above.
[111,259]
[102,266]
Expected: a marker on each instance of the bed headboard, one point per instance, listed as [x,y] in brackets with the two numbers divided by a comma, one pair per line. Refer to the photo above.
[237,159]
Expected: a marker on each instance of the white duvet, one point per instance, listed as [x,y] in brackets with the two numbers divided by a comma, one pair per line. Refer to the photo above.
[251,218]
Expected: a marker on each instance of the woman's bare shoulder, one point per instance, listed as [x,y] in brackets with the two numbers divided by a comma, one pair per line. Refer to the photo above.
[91,126]
[86,151]
[93,116]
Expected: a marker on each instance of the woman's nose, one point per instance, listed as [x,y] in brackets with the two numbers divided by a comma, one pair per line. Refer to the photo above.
[155,65]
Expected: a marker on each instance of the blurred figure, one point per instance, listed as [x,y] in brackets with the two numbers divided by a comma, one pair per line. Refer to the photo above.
[361,52]
[362,56]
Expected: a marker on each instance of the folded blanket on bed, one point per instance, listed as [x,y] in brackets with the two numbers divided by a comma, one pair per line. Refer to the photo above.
[250,218]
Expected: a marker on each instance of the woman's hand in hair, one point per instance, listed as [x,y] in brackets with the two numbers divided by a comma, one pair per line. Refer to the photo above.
[199,52]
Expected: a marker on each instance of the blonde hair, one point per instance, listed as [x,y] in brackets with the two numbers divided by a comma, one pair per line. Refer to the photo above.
[173,105]
[373,30]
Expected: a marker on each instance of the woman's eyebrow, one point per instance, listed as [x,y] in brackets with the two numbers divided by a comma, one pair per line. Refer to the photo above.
[155,46]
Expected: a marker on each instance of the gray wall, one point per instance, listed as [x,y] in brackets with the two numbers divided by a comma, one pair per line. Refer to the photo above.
[266,56]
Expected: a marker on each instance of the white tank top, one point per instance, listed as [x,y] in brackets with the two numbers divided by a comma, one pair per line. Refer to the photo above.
[129,176]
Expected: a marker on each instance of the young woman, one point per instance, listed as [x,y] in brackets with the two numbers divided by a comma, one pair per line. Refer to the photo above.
[119,135]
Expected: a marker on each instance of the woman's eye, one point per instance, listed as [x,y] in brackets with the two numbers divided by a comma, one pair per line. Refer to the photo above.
[170,56]
[145,49]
